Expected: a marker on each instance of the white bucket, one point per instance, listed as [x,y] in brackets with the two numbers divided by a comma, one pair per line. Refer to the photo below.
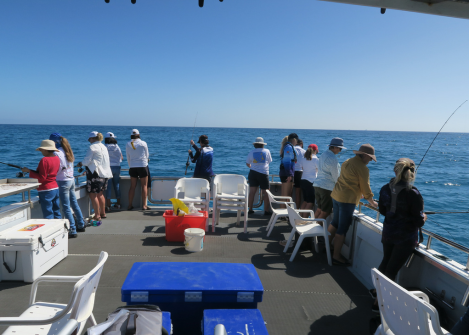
[194,241]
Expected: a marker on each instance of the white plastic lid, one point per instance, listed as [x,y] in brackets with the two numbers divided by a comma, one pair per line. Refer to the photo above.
[28,232]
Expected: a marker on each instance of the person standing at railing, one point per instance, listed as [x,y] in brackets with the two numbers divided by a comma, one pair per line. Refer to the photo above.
[258,161]
[353,182]
[328,173]
[98,171]
[309,165]
[300,152]
[287,163]
[137,157]
[115,159]
[203,159]
[46,174]
[402,206]
[66,183]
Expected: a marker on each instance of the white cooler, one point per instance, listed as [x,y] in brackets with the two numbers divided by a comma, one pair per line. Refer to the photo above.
[31,248]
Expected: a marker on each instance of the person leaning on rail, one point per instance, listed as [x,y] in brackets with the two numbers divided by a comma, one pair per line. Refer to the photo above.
[98,171]
[354,181]
[328,173]
[66,183]
[300,153]
[115,159]
[402,206]
[46,174]
[258,161]
[287,164]
[137,157]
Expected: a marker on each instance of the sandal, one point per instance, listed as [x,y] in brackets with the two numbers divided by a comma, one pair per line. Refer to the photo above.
[145,208]
[130,208]
[251,211]
[103,216]
[339,263]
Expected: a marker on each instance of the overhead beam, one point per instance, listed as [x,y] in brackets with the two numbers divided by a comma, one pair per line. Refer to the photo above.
[445,8]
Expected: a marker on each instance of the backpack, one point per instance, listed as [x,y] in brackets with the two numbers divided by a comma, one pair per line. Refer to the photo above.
[132,320]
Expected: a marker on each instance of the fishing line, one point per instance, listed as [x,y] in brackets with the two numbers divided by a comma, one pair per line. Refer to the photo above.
[454,240]
[438,134]
[192,137]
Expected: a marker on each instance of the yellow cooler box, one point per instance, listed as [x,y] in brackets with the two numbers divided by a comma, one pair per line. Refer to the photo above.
[30,248]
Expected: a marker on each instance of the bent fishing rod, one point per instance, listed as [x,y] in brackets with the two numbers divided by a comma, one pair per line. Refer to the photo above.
[192,137]
[19,174]
[353,146]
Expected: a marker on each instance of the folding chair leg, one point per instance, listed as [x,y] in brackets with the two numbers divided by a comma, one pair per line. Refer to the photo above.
[328,251]
[289,240]
[214,215]
[297,247]
[238,217]
[270,221]
[92,320]
[272,224]
[245,221]
[316,245]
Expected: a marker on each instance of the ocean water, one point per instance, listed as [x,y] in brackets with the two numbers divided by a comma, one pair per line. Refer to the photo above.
[443,177]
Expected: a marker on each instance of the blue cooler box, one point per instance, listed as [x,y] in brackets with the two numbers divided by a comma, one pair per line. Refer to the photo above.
[236,321]
[186,289]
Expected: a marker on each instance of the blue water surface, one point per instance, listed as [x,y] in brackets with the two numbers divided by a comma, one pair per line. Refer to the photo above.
[443,177]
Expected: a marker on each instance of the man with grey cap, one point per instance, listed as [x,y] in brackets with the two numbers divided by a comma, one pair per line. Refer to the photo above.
[328,173]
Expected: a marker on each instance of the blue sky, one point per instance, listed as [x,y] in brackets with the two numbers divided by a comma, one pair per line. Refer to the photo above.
[258,63]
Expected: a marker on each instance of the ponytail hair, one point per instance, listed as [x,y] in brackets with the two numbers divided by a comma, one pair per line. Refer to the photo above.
[99,137]
[67,149]
[284,141]
[405,171]
[309,154]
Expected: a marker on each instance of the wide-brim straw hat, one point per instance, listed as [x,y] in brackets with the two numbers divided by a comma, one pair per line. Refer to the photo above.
[366,149]
[47,145]
[259,140]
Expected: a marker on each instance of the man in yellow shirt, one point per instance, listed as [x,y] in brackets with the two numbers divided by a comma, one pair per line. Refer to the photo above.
[353,182]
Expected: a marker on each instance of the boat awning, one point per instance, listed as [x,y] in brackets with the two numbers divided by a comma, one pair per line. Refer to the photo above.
[451,8]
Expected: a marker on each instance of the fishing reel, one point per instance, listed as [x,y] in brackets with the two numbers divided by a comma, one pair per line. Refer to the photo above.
[81,169]
[20,174]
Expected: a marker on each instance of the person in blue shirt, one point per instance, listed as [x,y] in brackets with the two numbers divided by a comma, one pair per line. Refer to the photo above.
[287,164]
[203,159]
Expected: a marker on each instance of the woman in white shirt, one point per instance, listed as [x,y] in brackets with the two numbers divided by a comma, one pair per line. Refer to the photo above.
[98,171]
[309,163]
[115,159]
[258,161]
[66,182]
[137,156]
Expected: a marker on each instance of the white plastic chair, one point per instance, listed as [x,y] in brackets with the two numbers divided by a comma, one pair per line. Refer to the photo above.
[277,213]
[43,318]
[230,192]
[190,190]
[403,312]
[311,229]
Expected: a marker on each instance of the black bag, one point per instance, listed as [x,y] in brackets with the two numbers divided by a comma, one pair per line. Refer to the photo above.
[132,320]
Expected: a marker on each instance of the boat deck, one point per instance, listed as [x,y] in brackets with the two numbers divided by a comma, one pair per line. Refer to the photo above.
[305,296]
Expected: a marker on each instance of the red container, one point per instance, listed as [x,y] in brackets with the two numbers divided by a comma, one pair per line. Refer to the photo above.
[175,225]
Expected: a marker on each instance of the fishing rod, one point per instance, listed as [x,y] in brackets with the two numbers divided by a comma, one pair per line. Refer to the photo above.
[438,134]
[192,137]
[432,213]
[18,174]
[353,146]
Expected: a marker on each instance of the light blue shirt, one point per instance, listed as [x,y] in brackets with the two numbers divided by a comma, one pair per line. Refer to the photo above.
[328,171]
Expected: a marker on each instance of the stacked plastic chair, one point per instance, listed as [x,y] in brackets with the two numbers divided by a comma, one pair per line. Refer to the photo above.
[190,190]
[277,213]
[230,192]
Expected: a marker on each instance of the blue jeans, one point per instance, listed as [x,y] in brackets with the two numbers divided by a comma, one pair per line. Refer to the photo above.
[115,180]
[68,199]
[462,326]
[343,216]
[49,201]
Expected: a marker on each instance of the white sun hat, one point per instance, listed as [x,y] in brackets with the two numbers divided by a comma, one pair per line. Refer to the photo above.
[47,145]
[93,134]
[110,135]
[259,140]
[134,132]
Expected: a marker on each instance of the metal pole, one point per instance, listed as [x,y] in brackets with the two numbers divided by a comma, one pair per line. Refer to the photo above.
[429,242]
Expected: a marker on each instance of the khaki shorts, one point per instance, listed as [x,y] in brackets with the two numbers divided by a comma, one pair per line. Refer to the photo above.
[323,199]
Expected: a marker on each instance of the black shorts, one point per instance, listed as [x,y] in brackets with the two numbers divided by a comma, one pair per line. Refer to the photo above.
[297,179]
[139,172]
[257,179]
[283,179]
[308,191]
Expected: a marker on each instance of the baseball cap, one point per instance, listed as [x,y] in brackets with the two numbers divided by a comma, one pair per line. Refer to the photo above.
[109,135]
[134,132]
[93,134]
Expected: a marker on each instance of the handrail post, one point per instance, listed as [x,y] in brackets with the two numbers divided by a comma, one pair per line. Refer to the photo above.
[429,242]
[467,264]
